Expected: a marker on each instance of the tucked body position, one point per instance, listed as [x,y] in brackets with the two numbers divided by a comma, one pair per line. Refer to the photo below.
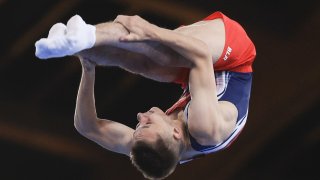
[211,60]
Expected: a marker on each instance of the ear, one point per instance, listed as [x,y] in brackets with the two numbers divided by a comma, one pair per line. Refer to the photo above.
[177,134]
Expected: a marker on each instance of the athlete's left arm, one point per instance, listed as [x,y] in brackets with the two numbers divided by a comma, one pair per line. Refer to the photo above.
[210,121]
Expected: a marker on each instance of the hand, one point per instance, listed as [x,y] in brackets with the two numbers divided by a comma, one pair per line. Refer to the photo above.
[139,29]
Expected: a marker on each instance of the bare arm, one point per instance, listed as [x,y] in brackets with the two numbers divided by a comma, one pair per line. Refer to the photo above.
[211,33]
[210,121]
[109,134]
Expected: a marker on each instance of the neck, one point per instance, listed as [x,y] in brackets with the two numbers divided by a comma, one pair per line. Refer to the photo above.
[178,119]
[176,114]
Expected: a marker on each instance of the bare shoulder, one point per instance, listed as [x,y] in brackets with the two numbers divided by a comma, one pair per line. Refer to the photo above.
[228,111]
[211,32]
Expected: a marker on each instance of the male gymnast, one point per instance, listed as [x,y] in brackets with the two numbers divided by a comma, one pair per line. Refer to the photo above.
[211,59]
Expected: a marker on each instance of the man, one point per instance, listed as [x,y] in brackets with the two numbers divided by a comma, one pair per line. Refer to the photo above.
[209,115]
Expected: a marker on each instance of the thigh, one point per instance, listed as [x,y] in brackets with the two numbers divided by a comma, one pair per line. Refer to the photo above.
[133,62]
[211,32]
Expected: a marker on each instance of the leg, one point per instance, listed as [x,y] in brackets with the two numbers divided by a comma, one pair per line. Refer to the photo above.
[133,62]
[143,58]
[109,34]
[77,35]
[212,33]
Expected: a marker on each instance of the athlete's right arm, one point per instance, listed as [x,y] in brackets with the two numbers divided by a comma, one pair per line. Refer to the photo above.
[109,134]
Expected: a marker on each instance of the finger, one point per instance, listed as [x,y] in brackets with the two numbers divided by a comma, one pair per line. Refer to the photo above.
[129,37]
[121,19]
[56,30]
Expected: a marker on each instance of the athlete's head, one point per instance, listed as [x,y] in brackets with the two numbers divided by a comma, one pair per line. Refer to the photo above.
[157,144]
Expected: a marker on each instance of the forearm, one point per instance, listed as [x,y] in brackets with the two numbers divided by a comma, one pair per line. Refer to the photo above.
[109,134]
[85,113]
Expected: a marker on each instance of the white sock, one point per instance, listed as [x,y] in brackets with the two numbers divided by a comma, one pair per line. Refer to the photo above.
[57,30]
[66,40]
[80,35]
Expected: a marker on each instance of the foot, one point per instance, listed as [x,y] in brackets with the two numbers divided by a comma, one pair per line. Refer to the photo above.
[66,40]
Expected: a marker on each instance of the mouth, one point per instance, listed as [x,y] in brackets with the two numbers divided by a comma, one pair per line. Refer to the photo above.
[137,134]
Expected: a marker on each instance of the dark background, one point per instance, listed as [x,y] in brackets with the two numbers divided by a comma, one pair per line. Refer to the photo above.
[37,98]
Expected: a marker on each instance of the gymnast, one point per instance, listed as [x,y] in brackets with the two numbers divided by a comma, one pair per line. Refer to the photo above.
[212,61]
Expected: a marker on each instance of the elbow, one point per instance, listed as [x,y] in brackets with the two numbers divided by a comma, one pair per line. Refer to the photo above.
[81,130]
[80,127]
[85,128]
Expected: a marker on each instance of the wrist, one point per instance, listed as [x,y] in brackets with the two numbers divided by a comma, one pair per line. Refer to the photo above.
[154,32]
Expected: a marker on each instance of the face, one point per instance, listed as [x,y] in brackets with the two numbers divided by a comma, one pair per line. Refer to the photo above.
[152,124]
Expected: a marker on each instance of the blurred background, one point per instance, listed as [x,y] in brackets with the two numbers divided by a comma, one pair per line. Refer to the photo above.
[37,98]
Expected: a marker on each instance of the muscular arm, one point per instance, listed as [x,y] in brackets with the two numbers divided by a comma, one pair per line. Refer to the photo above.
[109,134]
[210,121]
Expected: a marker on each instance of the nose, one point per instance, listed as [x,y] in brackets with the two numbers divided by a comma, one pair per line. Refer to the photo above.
[142,117]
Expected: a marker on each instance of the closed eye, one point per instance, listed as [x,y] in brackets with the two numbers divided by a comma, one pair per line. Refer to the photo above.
[147,125]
